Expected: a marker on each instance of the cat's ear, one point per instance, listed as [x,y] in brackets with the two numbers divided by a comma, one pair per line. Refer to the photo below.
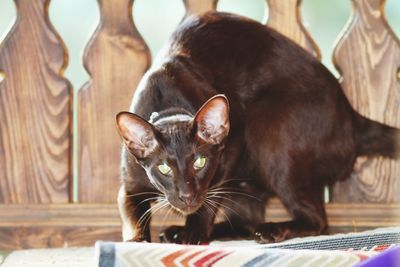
[138,134]
[212,120]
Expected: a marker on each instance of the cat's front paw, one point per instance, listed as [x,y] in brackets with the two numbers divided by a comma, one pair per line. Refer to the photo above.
[270,233]
[179,235]
[172,234]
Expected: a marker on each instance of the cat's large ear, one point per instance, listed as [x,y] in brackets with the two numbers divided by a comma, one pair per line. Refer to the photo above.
[212,120]
[138,134]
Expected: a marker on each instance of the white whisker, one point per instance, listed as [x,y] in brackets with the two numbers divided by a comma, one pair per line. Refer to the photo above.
[165,218]
[226,207]
[225,198]
[207,206]
[145,216]
[215,205]
[144,193]
[164,203]
[146,200]
[226,181]
[232,192]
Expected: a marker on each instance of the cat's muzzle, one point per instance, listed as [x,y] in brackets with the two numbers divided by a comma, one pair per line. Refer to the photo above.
[185,206]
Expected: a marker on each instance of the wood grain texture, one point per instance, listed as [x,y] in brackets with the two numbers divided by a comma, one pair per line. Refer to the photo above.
[55,237]
[24,215]
[59,225]
[35,111]
[199,6]
[284,16]
[368,58]
[116,59]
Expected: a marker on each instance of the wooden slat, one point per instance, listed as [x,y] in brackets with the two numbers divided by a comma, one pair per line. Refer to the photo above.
[198,7]
[55,237]
[83,224]
[59,215]
[41,226]
[116,59]
[284,16]
[35,111]
[375,214]
[368,57]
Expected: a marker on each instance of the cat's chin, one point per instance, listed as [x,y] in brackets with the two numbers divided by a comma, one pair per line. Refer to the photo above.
[187,210]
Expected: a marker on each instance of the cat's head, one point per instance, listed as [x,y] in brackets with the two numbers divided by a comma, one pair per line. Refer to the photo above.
[179,153]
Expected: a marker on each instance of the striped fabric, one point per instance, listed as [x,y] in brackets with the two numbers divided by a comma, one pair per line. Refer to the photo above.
[332,251]
[378,239]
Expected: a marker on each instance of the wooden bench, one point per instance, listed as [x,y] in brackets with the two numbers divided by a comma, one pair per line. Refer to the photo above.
[36,121]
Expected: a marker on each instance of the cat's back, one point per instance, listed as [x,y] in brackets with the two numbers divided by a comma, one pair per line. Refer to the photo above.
[239,53]
[216,34]
[223,41]
[224,53]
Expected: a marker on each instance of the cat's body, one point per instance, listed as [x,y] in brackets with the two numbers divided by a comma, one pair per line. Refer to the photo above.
[288,131]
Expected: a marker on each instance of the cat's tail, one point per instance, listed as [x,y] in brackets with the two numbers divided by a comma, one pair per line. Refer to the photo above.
[376,138]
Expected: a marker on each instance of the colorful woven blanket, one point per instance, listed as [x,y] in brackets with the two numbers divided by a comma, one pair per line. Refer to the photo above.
[338,250]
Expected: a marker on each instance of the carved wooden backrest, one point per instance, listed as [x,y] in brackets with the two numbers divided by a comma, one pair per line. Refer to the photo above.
[116,58]
[36,120]
[368,58]
[35,111]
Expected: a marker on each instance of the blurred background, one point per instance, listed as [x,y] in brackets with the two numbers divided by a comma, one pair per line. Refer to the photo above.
[76,20]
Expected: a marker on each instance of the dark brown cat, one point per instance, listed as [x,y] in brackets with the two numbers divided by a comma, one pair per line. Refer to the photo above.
[288,131]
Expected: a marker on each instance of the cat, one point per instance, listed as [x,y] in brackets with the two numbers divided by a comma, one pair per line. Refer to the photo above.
[231,114]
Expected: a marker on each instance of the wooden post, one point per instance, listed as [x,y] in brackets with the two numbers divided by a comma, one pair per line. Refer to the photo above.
[116,59]
[368,57]
[199,7]
[35,111]
[284,16]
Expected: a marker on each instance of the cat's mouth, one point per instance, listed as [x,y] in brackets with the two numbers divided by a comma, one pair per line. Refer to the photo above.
[185,209]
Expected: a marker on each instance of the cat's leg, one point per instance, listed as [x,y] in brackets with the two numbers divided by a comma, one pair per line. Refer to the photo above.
[234,226]
[230,230]
[287,148]
[243,209]
[135,221]
[298,181]
[242,212]
[307,210]
[220,231]
[197,229]
[242,205]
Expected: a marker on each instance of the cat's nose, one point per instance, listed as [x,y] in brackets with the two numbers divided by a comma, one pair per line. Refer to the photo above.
[187,198]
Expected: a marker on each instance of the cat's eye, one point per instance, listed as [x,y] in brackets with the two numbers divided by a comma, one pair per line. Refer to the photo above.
[164,168]
[200,162]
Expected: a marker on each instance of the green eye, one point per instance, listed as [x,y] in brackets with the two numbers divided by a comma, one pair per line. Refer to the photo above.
[164,168]
[200,162]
